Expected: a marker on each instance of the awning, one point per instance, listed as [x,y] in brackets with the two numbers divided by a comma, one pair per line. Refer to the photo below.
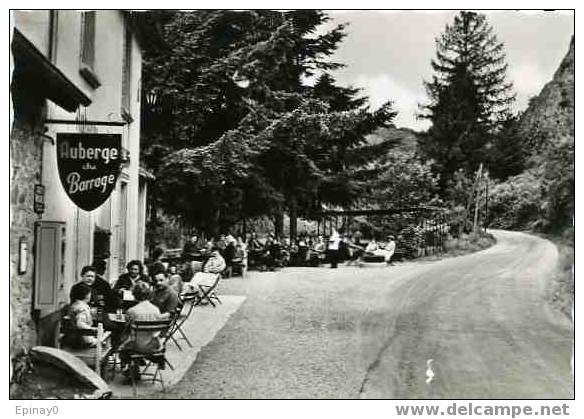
[34,71]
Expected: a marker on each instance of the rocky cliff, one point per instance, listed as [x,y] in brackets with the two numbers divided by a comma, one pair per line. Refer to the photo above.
[550,115]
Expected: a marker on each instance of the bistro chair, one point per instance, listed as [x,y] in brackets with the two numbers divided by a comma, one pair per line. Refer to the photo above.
[209,292]
[189,300]
[158,357]
[96,357]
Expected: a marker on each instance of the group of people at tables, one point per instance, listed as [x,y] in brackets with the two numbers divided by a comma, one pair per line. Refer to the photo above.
[271,252]
[135,296]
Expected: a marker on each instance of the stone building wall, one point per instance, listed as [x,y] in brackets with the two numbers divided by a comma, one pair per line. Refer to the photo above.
[25,161]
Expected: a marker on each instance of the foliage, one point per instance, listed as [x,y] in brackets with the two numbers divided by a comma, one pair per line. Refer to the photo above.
[469,243]
[541,197]
[559,181]
[410,240]
[561,291]
[236,133]
[469,96]
[401,180]
[516,203]
[507,156]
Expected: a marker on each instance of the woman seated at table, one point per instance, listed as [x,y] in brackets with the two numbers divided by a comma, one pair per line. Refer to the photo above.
[80,318]
[141,341]
[214,266]
[175,280]
[143,311]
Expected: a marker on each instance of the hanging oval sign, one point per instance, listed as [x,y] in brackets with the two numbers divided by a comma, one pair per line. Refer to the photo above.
[89,165]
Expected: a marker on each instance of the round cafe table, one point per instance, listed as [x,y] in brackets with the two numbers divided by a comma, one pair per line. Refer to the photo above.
[117,318]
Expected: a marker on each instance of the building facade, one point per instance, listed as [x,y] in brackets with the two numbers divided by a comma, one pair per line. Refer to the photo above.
[73,72]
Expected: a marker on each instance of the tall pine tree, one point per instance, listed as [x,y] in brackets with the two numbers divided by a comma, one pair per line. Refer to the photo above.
[239,134]
[469,96]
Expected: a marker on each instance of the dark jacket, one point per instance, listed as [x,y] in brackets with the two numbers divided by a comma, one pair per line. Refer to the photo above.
[102,293]
[165,299]
[124,282]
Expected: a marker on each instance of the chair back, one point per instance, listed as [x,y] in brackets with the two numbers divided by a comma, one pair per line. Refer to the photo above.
[158,325]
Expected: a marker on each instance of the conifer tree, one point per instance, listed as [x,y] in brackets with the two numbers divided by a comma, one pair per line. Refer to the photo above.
[469,97]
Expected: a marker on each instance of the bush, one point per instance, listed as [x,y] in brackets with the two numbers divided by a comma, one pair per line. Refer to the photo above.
[562,287]
[469,243]
[517,203]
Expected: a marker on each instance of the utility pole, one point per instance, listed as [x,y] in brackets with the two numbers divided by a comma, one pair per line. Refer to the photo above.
[486,202]
[478,192]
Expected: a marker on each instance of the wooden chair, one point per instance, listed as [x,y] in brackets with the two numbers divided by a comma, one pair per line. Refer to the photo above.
[96,357]
[208,293]
[158,357]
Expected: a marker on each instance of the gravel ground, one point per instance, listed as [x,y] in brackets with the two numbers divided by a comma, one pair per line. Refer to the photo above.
[370,332]
[302,333]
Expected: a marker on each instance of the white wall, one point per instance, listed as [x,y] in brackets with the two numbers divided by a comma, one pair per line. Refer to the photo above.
[105,106]
[34,25]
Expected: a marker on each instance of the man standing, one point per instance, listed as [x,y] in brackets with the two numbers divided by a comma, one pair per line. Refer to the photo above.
[389,249]
[333,248]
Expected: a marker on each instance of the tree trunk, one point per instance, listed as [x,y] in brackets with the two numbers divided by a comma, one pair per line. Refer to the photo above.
[279,223]
[293,221]
[216,227]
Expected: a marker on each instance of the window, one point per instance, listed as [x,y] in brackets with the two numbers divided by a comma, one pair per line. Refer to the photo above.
[87,69]
[123,225]
[88,39]
[127,70]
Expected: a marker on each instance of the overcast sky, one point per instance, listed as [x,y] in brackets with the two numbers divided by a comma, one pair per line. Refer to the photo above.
[388,53]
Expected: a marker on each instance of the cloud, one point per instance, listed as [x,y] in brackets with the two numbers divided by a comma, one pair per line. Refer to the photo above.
[528,79]
[382,88]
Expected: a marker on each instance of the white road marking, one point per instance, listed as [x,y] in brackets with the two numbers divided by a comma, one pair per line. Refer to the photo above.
[429,371]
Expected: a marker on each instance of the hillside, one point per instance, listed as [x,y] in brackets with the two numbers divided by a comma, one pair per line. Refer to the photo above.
[406,138]
[550,115]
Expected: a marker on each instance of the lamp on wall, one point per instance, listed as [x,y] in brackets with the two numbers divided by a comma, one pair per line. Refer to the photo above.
[151,98]
[22,255]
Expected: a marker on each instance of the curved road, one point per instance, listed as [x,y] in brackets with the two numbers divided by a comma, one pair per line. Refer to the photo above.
[369,332]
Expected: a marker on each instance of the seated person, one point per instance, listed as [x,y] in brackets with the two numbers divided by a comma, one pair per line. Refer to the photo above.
[143,341]
[255,249]
[267,259]
[192,249]
[102,295]
[275,256]
[318,252]
[388,250]
[163,296]
[102,286]
[214,265]
[372,246]
[240,259]
[128,280]
[175,279]
[303,252]
[156,264]
[79,318]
